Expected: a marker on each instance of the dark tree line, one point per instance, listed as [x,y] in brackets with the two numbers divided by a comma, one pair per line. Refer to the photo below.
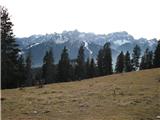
[78,69]
[147,61]
[66,69]
[125,63]
[17,71]
[81,69]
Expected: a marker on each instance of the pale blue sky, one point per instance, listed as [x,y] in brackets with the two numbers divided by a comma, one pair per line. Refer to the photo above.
[140,18]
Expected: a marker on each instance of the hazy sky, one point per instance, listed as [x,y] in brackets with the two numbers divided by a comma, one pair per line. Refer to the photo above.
[140,18]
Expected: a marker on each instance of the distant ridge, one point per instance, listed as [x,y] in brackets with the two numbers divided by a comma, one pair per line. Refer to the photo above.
[120,41]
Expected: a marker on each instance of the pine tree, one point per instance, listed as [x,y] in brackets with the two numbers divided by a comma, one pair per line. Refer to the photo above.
[48,68]
[150,60]
[80,68]
[142,64]
[92,71]
[64,66]
[135,57]
[156,60]
[107,60]
[9,52]
[148,55]
[127,62]
[72,76]
[29,80]
[120,63]
[38,78]
[100,63]
[88,68]
[21,74]
[147,60]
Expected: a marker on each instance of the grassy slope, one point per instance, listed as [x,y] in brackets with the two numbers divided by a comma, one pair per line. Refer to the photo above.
[137,97]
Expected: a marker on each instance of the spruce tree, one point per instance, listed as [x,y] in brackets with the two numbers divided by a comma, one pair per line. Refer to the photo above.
[135,57]
[148,55]
[48,68]
[9,52]
[21,74]
[88,68]
[72,76]
[38,78]
[92,71]
[142,64]
[100,60]
[29,79]
[150,60]
[80,68]
[64,66]
[127,62]
[156,61]
[147,60]
[107,59]
[120,63]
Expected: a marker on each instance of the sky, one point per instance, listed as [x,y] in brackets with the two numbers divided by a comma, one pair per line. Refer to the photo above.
[139,18]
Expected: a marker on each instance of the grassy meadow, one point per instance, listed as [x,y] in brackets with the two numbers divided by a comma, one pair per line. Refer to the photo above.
[126,96]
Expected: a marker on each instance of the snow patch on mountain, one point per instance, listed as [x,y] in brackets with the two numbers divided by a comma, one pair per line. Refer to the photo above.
[32,45]
[20,53]
[86,46]
[60,41]
[152,42]
[121,42]
[82,35]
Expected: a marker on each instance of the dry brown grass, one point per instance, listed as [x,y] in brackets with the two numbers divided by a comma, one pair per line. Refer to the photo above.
[127,96]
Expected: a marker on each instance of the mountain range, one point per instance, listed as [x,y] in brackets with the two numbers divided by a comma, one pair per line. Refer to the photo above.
[37,45]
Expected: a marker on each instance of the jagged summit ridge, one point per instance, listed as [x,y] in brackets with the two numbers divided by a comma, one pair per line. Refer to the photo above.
[120,41]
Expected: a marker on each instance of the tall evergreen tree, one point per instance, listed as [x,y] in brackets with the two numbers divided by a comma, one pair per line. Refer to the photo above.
[150,60]
[92,71]
[29,79]
[88,68]
[127,62]
[120,63]
[64,66]
[73,63]
[21,74]
[9,52]
[38,78]
[147,60]
[142,64]
[156,60]
[80,68]
[135,57]
[100,59]
[107,60]
[72,76]
[48,68]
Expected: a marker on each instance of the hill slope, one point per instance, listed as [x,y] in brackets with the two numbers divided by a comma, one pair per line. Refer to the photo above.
[128,96]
